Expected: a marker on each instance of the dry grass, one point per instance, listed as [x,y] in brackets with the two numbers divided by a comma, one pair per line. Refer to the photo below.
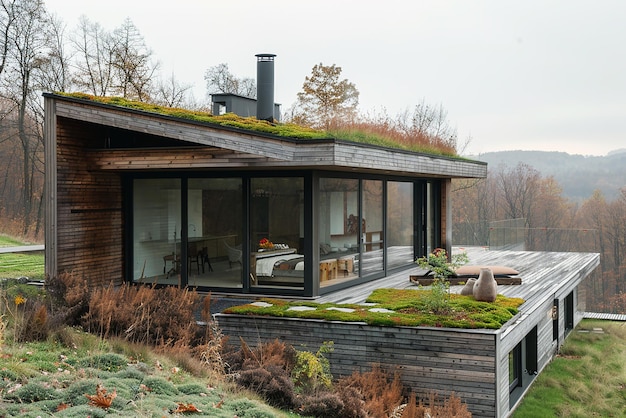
[142,314]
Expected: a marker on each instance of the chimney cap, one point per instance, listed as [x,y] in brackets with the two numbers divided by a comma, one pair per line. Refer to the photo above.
[265,57]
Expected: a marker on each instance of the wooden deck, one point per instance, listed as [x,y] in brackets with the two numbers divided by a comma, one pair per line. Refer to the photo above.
[542,273]
[605,316]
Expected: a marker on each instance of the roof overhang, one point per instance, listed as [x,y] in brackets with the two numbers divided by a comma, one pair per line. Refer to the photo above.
[232,147]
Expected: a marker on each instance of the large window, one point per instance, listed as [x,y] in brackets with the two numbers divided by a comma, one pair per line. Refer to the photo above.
[277,232]
[157,230]
[338,230]
[372,234]
[214,229]
[400,224]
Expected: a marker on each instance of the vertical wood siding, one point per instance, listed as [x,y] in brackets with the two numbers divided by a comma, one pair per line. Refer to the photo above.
[89,210]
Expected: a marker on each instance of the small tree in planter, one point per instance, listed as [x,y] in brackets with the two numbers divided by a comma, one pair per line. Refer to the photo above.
[442,267]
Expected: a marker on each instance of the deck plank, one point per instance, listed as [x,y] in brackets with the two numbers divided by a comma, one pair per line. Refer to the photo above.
[541,273]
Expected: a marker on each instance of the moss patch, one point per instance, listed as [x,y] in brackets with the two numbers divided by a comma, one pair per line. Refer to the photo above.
[400,308]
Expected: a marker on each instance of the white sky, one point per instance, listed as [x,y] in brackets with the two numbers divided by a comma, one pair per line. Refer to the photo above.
[513,75]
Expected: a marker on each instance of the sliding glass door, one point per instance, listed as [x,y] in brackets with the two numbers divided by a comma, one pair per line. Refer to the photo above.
[276,233]
[157,230]
[214,232]
[372,233]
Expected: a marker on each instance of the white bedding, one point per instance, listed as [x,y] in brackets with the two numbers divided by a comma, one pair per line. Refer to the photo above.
[264,266]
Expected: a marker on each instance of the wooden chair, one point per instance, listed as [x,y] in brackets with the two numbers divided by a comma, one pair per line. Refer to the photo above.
[204,254]
[194,256]
[234,254]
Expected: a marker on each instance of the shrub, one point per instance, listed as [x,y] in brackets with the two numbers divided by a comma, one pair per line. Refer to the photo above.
[272,382]
[160,386]
[325,404]
[69,297]
[380,392]
[35,325]
[264,354]
[312,370]
[450,407]
[144,314]
[32,392]
[108,362]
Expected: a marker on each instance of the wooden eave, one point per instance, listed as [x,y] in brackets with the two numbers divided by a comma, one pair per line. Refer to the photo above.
[226,147]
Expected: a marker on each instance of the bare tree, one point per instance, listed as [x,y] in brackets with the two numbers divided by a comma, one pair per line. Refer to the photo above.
[29,39]
[325,98]
[54,74]
[172,93]
[219,79]
[132,67]
[8,16]
[429,121]
[94,54]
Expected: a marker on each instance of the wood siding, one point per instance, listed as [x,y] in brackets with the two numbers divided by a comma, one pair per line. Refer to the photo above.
[429,360]
[90,225]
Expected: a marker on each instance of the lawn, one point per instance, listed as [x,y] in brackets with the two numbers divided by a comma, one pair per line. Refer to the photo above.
[586,379]
[14,265]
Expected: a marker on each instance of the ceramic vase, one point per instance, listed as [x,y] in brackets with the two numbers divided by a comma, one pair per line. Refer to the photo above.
[468,289]
[485,288]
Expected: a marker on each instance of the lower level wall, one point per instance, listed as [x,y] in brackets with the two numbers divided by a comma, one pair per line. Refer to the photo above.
[429,359]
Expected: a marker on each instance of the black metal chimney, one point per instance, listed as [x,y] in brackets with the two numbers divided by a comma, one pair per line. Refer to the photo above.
[265,87]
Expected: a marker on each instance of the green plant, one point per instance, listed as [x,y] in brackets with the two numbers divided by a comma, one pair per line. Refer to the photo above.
[442,267]
[312,370]
[438,263]
[109,362]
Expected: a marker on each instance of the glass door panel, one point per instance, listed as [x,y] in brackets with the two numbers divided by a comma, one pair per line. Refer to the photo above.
[157,231]
[277,232]
[400,224]
[214,230]
[372,234]
[338,222]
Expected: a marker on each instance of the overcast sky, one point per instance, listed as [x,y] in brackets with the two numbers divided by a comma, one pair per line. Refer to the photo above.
[512,75]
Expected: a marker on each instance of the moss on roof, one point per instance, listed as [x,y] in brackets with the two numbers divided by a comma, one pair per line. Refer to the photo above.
[287,130]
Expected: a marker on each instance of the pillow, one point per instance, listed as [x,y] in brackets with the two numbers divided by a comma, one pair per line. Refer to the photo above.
[324,249]
[475,270]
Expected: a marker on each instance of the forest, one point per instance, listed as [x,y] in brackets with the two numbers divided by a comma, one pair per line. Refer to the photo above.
[514,207]
[517,208]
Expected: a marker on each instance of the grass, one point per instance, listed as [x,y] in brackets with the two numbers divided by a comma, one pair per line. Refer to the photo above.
[15,265]
[53,378]
[30,265]
[587,379]
[396,307]
[7,241]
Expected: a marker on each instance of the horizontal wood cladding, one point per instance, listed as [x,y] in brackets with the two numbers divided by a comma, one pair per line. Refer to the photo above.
[184,158]
[428,359]
[89,210]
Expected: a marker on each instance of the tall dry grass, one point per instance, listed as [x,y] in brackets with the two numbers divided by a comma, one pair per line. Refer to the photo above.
[141,314]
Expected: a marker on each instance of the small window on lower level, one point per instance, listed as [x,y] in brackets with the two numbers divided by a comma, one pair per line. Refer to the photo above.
[515,367]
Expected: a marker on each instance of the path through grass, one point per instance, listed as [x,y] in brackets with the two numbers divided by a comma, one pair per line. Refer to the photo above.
[587,379]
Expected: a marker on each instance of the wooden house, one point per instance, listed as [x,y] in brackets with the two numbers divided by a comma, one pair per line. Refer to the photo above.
[139,196]
[143,197]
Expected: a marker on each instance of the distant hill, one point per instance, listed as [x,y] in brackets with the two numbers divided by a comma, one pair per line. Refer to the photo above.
[578,175]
